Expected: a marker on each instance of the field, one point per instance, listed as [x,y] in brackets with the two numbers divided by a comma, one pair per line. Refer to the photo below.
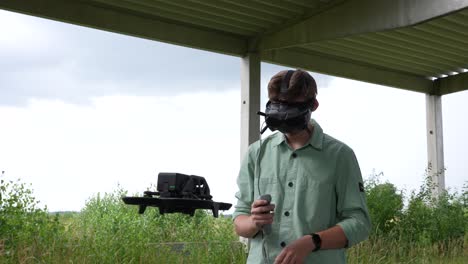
[406,229]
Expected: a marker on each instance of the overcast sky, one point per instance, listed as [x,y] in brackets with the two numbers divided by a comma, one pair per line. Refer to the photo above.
[83,110]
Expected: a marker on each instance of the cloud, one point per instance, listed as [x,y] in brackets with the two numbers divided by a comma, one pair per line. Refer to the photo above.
[54,60]
[47,59]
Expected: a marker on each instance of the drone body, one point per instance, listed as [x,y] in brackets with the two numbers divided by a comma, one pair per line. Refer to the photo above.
[178,193]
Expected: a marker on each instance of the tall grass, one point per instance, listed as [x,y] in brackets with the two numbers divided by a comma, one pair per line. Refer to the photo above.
[413,228]
[108,231]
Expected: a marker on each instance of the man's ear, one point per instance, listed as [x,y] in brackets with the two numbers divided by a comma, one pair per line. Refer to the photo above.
[316,105]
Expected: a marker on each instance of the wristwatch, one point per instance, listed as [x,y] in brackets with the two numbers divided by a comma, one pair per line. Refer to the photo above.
[317,241]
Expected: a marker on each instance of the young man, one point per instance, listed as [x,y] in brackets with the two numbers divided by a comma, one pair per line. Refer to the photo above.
[318,205]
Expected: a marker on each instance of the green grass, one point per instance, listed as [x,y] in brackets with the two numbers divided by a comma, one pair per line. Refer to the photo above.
[108,231]
[382,250]
[415,230]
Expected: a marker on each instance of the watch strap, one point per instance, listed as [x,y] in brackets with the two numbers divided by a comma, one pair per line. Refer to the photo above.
[317,240]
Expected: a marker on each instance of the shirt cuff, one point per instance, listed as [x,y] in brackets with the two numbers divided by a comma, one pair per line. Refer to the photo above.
[354,230]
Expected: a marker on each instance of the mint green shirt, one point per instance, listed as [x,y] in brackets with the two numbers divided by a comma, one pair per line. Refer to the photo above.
[314,188]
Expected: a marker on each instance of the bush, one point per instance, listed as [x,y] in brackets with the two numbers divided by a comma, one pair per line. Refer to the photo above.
[414,229]
[110,231]
[22,222]
[429,220]
[424,229]
[385,203]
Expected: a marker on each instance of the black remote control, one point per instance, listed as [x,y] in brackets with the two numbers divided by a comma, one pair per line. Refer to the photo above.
[266,228]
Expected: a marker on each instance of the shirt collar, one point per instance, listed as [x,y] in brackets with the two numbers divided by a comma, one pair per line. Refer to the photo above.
[315,140]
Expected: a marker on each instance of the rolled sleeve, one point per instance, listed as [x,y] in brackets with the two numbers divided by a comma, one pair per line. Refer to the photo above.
[245,183]
[352,210]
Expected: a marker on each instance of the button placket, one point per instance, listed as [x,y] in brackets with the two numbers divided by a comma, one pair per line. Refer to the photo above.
[289,181]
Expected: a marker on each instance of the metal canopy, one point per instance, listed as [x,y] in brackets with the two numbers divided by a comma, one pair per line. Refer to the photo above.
[417,45]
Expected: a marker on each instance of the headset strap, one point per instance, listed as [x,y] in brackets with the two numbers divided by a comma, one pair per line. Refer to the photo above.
[285,82]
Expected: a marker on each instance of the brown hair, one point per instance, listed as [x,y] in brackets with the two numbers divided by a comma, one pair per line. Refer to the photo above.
[301,84]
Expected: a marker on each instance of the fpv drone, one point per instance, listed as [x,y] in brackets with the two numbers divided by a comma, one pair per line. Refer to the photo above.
[178,193]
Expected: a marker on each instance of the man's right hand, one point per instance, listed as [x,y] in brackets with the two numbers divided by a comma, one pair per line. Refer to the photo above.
[262,213]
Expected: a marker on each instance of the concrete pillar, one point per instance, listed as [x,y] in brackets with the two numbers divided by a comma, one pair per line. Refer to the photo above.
[250,104]
[435,143]
[250,100]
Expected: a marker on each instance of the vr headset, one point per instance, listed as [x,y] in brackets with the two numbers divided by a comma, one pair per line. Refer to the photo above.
[286,117]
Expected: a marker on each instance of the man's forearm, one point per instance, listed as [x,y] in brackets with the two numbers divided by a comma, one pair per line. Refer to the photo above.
[298,250]
[333,238]
[245,227]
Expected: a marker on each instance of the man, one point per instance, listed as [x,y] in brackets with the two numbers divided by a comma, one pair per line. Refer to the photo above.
[318,205]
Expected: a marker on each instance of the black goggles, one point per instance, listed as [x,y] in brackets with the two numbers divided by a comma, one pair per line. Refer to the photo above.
[281,115]
[289,108]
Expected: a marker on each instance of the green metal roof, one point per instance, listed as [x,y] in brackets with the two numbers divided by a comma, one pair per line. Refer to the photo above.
[435,49]
[410,44]
[240,18]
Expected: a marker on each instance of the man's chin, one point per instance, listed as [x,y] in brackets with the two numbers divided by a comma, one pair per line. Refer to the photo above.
[294,132]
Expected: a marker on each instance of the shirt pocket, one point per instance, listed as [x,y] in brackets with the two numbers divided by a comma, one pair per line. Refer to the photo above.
[315,191]
[266,185]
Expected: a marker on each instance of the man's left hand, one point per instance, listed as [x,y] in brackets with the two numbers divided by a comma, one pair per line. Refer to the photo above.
[296,252]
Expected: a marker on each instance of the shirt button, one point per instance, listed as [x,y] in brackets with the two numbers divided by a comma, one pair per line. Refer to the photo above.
[286,213]
[294,155]
[290,184]
[283,244]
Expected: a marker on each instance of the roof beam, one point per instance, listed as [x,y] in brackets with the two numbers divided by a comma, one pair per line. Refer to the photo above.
[347,69]
[452,84]
[85,13]
[359,16]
